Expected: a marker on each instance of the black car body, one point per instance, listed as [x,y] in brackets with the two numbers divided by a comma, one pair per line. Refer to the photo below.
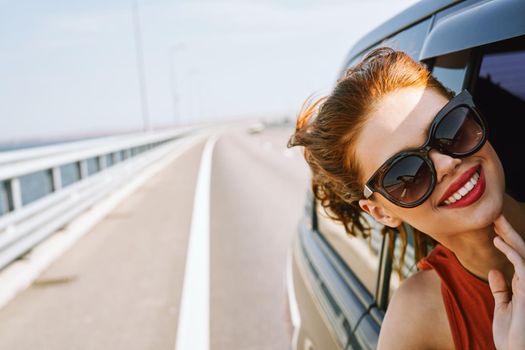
[339,286]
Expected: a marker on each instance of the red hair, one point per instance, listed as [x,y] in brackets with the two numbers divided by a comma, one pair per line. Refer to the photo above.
[328,127]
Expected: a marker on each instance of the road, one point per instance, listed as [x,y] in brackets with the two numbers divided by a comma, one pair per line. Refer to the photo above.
[120,286]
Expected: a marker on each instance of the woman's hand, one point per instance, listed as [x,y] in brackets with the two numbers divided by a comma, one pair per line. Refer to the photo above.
[509,312]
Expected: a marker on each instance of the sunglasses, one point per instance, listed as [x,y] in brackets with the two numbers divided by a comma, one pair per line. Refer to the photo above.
[408,178]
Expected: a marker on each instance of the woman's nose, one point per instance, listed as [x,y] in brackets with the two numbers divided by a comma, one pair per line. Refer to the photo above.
[444,164]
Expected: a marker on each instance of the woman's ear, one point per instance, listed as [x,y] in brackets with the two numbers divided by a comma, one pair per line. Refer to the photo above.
[380,213]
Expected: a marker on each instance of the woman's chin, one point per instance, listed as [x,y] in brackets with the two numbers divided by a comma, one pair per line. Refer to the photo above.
[487,210]
[480,213]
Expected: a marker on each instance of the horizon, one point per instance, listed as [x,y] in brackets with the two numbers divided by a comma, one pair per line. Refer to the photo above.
[203,61]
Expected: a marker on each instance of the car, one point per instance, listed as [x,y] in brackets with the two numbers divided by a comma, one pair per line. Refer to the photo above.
[339,285]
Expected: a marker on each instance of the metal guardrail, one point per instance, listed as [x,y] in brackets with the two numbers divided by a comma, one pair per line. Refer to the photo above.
[44,188]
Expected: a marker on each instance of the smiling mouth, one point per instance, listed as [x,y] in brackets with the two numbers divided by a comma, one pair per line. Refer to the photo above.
[466,190]
[462,192]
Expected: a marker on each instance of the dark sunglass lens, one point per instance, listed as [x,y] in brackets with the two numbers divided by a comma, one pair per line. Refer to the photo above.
[408,179]
[459,131]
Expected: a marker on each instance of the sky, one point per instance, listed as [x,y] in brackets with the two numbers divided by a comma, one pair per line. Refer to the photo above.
[69,68]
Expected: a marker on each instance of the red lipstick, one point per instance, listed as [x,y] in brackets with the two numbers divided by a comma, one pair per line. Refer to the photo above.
[460,182]
[471,197]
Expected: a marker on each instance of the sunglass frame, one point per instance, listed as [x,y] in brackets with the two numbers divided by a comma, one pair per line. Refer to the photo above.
[375,183]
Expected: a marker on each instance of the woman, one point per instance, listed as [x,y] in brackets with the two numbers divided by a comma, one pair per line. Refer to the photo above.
[391,141]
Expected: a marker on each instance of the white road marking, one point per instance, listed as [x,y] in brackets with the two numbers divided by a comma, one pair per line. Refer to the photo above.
[292,301]
[193,330]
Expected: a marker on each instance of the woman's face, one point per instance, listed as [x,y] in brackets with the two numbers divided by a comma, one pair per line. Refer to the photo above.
[398,122]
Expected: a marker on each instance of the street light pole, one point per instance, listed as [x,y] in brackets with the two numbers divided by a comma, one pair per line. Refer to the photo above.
[193,111]
[173,79]
[140,68]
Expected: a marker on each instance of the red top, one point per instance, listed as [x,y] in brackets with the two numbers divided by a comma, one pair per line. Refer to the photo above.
[468,300]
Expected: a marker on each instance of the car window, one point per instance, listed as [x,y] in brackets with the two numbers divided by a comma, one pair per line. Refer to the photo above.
[502,68]
[363,254]
[499,92]
[452,69]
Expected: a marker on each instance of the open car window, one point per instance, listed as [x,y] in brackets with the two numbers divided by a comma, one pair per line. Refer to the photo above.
[499,91]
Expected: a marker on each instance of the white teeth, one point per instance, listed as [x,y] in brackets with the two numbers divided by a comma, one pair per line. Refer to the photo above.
[467,187]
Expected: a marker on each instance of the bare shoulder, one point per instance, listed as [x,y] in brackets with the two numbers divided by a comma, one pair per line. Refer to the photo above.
[416,317]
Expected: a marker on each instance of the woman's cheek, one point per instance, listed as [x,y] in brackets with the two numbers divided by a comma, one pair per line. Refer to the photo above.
[498,166]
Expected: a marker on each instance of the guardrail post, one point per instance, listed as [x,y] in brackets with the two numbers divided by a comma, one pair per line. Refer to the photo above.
[16,193]
[83,169]
[61,168]
[57,178]
[102,162]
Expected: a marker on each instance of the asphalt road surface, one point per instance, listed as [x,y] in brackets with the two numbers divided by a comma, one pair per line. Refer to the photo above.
[257,196]
[119,287]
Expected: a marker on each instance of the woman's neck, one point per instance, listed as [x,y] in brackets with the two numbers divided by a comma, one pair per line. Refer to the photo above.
[476,250]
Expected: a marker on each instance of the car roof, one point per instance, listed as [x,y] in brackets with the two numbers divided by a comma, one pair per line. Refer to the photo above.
[406,18]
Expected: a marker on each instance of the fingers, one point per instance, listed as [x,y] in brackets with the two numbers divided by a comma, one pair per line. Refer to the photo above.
[509,235]
[514,257]
[499,289]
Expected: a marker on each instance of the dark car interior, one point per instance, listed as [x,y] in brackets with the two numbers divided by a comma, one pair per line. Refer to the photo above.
[500,93]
